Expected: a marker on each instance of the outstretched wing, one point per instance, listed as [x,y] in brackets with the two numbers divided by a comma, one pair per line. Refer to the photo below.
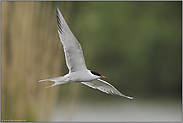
[73,51]
[105,87]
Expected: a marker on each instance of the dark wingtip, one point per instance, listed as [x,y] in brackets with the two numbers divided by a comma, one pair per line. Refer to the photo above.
[57,9]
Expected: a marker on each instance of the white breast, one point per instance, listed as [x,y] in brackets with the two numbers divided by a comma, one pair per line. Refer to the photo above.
[82,76]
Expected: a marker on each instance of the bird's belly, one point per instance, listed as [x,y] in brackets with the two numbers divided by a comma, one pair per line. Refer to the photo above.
[82,77]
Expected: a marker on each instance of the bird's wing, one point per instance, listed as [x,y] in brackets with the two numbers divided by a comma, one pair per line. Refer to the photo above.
[105,87]
[73,50]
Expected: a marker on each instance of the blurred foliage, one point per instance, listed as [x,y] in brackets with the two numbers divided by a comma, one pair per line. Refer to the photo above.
[137,45]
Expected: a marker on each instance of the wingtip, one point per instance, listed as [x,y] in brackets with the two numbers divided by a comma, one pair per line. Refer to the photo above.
[126,96]
[130,98]
[57,9]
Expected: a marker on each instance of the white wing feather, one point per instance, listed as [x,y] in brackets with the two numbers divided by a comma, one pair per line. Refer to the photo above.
[105,87]
[73,50]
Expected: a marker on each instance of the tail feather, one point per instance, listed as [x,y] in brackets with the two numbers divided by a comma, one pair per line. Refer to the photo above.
[57,80]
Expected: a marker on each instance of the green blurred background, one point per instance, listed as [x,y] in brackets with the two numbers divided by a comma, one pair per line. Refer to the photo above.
[136,45]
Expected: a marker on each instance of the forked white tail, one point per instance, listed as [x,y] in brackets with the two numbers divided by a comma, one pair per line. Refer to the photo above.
[57,80]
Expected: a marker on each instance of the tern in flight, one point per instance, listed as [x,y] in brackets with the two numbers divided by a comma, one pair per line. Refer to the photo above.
[78,71]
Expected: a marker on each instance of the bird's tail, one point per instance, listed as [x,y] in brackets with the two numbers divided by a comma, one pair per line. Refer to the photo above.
[57,80]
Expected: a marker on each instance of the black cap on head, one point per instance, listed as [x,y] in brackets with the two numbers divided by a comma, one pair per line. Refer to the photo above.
[95,73]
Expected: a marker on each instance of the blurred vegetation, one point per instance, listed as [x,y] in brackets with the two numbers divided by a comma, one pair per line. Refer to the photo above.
[137,45]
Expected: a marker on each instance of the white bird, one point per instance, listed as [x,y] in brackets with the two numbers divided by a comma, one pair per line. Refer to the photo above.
[78,71]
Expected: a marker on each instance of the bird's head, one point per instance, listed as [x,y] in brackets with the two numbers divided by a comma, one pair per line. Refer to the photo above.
[98,74]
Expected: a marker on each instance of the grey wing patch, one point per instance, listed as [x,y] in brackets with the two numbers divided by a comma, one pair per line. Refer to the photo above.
[72,49]
[105,87]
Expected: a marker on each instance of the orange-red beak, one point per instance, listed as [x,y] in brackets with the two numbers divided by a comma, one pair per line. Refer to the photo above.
[103,77]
